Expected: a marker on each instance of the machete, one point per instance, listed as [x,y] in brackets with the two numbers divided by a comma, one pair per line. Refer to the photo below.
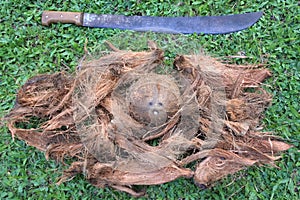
[186,25]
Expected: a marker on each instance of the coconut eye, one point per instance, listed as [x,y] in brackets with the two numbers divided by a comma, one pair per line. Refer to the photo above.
[155,112]
[150,103]
[160,104]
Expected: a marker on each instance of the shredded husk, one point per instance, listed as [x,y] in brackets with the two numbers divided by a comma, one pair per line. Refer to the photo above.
[124,125]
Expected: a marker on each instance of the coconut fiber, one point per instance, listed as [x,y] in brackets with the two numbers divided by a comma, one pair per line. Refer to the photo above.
[123,123]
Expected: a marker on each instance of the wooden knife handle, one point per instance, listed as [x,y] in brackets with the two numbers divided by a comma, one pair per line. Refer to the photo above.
[49,17]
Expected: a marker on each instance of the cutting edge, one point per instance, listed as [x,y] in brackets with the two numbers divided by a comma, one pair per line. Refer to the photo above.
[181,25]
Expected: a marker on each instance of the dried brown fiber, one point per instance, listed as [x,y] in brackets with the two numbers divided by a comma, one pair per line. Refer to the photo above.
[124,124]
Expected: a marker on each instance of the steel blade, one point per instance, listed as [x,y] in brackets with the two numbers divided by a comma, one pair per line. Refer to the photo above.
[185,25]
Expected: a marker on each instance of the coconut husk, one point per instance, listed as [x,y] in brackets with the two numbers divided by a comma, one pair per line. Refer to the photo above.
[123,124]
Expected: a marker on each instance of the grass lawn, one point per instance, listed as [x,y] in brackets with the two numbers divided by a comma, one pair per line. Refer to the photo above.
[27,48]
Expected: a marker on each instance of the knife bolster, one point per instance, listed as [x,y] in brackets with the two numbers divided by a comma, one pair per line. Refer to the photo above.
[49,17]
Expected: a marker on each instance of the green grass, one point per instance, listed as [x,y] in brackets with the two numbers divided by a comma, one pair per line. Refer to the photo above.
[28,49]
